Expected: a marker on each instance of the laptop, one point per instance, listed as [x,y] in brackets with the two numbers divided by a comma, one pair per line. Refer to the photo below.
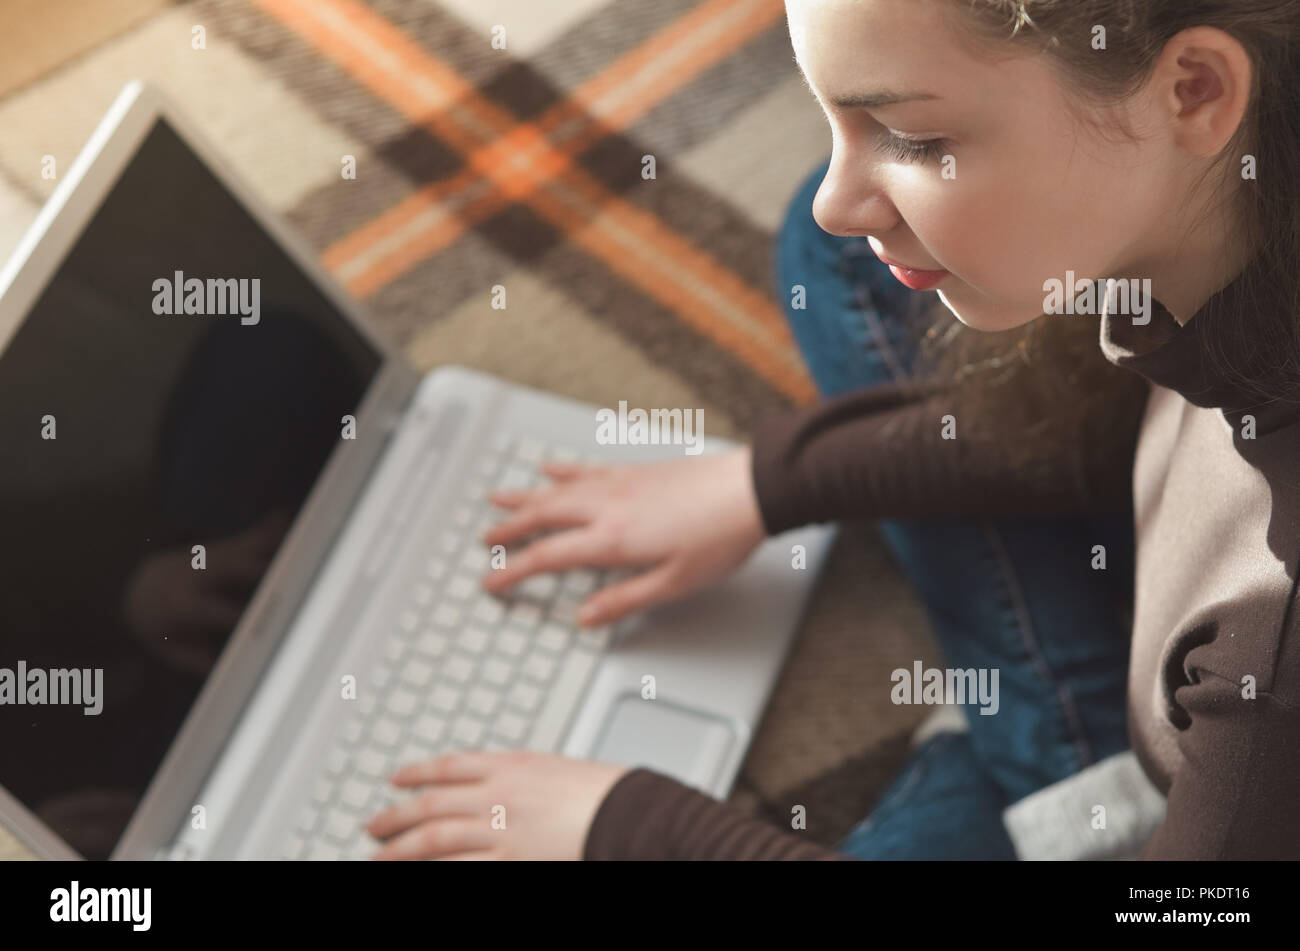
[243,543]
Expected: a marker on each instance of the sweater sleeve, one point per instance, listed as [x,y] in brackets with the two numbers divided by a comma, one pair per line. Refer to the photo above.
[647,816]
[918,449]
[1233,795]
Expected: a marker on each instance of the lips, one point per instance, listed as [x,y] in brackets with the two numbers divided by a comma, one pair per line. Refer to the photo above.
[914,278]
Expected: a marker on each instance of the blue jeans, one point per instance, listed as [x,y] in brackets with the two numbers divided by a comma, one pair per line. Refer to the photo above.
[1015,595]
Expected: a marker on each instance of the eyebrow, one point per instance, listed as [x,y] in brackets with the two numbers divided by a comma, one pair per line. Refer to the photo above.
[878,99]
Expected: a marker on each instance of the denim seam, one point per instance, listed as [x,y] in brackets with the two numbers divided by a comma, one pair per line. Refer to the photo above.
[900,794]
[1074,724]
[870,315]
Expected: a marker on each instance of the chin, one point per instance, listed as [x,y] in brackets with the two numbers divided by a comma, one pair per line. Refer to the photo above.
[988,315]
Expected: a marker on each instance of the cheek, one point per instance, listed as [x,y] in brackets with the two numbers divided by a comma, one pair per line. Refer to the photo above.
[993,238]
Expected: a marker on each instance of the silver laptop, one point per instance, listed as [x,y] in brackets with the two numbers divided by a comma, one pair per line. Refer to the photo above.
[242,548]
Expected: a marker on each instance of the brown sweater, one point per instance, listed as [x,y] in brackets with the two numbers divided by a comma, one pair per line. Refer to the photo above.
[1214,688]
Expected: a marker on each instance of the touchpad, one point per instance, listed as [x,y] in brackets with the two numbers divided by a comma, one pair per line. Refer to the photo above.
[688,745]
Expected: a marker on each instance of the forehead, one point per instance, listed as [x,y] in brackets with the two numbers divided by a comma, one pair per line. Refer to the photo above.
[849,43]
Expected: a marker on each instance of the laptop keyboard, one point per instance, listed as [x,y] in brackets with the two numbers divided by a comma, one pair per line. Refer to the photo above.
[460,669]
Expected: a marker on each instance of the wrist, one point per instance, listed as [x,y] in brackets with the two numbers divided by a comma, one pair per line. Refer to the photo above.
[749,515]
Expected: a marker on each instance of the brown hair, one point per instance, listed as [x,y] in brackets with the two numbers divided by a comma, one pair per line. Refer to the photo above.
[1261,352]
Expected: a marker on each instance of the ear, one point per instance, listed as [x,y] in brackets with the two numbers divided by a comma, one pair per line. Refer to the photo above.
[1203,79]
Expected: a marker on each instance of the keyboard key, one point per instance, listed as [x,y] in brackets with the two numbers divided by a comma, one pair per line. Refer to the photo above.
[366,703]
[462,515]
[524,697]
[322,791]
[354,794]
[467,731]
[444,698]
[336,762]
[386,732]
[553,638]
[411,753]
[564,610]
[461,587]
[435,569]
[372,763]
[530,451]
[594,638]
[542,587]
[511,643]
[321,851]
[515,477]
[422,594]
[417,673]
[459,668]
[429,729]
[539,667]
[473,640]
[525,615]
[482,701]
[510,728]
[433,644]
[408,621]
[353,729]
[447,616]
[339,825]
[380,676]
[475,561]
[402,703]
[496,672]
[449,543]
[307,820]
[579,582]
[488,611]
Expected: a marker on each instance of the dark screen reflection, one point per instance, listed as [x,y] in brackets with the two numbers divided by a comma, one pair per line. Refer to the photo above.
[171,432]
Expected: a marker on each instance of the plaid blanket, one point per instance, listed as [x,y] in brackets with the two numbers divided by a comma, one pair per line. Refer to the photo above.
[620,166]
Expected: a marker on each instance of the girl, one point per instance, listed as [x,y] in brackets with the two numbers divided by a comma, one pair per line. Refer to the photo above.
[992,150]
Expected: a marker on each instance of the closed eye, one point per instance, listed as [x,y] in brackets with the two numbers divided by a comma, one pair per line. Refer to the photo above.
[912,151]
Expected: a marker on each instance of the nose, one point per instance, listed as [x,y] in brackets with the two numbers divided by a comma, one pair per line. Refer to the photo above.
[851,201]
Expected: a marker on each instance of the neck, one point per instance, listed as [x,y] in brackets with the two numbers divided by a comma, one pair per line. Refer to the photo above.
[1195,259]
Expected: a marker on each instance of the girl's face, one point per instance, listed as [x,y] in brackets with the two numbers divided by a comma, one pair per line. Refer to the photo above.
[974,169]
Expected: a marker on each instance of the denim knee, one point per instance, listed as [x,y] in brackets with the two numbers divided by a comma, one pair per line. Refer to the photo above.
[852,320]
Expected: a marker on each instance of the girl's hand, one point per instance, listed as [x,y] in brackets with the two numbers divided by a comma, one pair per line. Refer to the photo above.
[689,522]
[475,805]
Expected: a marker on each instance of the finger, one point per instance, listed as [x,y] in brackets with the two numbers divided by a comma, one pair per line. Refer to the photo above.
[571,549]
[462,767]
[511,498]
[482,855]
[433,802]
[547,517]
[627,597]
[568,471]
[437,838]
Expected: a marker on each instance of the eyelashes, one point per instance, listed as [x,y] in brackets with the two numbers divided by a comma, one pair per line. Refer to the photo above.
[912,151]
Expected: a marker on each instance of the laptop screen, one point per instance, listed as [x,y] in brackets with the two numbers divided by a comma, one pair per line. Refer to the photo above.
[168,404]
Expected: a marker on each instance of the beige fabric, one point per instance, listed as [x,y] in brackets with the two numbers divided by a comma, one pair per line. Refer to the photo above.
[1107,811]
